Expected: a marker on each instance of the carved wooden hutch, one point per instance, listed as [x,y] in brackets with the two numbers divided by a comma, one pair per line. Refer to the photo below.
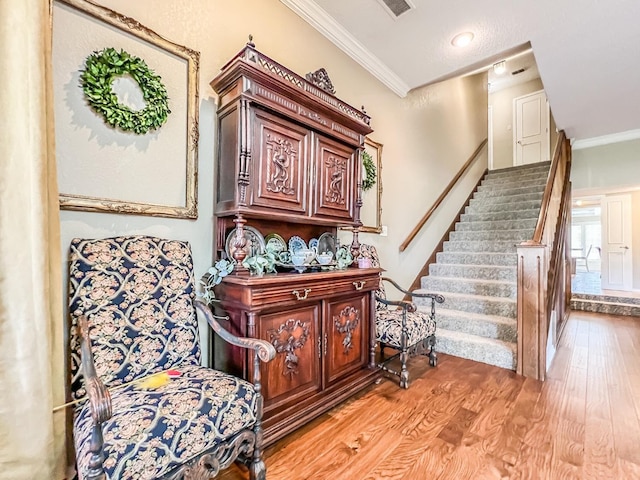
[288,162]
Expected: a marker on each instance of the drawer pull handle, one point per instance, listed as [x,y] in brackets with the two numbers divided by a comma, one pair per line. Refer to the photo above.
[359,285]
[301,296]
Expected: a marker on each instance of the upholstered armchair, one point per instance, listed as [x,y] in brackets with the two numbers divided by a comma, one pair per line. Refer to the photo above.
[150,410]
[400,325]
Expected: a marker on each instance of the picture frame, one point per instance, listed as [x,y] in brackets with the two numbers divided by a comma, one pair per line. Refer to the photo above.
[103,169]
[371,210]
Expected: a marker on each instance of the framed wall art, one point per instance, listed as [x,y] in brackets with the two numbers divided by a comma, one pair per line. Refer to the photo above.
[371,170]
[127,142]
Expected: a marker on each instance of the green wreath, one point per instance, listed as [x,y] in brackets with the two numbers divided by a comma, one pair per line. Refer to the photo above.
[369,179]
[101,68]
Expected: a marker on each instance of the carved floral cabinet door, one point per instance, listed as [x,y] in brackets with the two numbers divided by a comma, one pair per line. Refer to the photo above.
[295,372]
[335,179]
[279,164]
[346,336]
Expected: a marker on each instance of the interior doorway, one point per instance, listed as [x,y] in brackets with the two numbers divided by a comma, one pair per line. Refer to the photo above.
[586,245]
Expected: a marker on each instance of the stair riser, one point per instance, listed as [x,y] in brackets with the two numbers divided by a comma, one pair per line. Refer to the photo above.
[490,192]
[499,199]
[610,309]
[529,223]
[480,246]
[496,216]
[502,207]
[461,285]
[515,235]
[501,308]
[503,357]
[460,258]
[499,331]
[606,298]
[524,171]
[520,180]
[507,274]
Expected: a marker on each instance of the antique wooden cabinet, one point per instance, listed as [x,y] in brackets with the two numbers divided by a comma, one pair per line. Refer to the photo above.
[288,163]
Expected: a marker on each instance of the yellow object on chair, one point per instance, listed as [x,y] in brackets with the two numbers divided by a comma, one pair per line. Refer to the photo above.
[155,381]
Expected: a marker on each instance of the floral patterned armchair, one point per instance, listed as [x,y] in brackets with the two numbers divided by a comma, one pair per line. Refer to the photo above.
[403,328]
[133,317]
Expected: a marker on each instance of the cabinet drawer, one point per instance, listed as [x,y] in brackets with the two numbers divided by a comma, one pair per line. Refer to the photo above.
[311,290]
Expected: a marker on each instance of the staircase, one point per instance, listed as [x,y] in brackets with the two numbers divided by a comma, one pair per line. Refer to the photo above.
[477,270]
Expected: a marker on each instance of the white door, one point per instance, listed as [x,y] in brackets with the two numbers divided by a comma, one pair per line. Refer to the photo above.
[531,132]
[616,242]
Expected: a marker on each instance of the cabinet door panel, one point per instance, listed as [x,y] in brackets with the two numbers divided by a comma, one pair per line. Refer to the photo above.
[280,164]
[335,179]
[346,326]
[295,371]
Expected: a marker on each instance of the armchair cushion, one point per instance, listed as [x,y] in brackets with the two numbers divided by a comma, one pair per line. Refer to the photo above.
[152,432]
[420,325]
[137,293]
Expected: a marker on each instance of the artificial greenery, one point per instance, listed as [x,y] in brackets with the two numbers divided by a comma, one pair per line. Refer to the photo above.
[262,262]
[101,68]
[213,277]
[369,179]
[343,257]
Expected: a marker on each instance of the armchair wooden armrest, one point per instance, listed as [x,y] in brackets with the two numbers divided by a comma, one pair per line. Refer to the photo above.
[434,296]
[99,401]
[263,349]
[408,306]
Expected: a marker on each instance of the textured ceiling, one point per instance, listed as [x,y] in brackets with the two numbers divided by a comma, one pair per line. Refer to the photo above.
[587,51]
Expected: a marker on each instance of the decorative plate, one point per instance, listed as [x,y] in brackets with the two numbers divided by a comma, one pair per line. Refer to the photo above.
[296,243]
[276,242]
[313,243]
[255,242]
[327,243]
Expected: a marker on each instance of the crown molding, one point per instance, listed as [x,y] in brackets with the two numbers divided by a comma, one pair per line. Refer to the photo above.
[605,139]
[324,23]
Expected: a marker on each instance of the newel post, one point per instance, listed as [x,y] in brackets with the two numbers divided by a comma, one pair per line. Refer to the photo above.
[532,304]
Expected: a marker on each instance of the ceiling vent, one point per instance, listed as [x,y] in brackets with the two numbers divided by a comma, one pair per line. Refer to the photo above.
[395,8]
[516,72]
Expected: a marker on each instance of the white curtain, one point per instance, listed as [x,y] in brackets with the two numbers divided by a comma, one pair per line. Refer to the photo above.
[31,342]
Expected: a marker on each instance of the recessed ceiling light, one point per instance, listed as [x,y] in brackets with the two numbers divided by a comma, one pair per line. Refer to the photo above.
[500,67]
[462,39]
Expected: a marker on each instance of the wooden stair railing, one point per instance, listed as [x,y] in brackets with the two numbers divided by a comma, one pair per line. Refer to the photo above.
[544,275]
[443,195]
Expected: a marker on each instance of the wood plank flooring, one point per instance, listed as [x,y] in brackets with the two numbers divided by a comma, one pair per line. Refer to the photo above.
[467,420]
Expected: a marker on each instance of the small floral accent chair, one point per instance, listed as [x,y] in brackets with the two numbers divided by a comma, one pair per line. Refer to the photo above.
[403,328]
[133,315]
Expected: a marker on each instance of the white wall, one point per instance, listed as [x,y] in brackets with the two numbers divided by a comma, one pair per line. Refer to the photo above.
[427,136]
[502,103]
[612,168]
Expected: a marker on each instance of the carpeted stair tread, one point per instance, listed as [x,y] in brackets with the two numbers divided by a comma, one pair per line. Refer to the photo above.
[481,246]
[470,286]
[492,191]
[487,207]
[504,215]
[516,234]
[500,306]
[501,199]
[488,326]
[486,272]
[481,349]
[477,258]
[497,225]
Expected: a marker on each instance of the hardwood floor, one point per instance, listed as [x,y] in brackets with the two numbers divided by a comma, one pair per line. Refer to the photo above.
[467,420]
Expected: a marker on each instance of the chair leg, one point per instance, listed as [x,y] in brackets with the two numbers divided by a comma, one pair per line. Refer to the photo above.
[433,358]
[404,356]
